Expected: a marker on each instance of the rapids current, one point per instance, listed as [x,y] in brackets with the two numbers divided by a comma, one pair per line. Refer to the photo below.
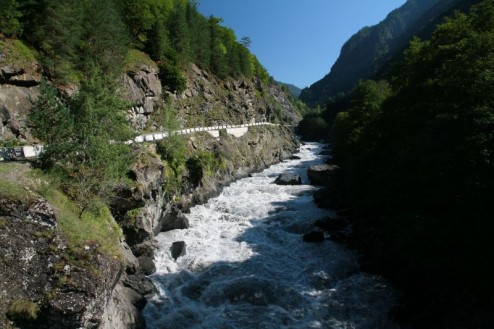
[246,265]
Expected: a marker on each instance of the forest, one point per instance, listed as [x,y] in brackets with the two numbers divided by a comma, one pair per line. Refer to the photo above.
[89,44]
[71,35]
[416,152]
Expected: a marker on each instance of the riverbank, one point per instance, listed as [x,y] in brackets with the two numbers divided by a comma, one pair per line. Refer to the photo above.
[246,265]
[430,298]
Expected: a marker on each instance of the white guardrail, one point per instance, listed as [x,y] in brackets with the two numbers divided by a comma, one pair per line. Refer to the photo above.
[33,152]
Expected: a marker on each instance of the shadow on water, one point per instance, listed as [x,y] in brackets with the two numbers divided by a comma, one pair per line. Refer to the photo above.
[284,283]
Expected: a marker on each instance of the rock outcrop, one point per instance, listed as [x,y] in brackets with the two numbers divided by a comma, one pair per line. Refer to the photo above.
[321,174]
[208,101]
[18,87]
[43,274]
[63,295]
[288,179]
[143,89]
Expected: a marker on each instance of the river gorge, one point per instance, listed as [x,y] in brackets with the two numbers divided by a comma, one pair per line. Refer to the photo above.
[246,265]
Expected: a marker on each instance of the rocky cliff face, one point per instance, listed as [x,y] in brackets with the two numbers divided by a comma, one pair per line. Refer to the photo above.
[39,276]
[18,86]
[207,101]
[45,282]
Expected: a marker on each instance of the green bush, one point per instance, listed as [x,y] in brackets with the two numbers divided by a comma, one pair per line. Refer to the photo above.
[313,128]
[23,310]
[200,164]
[172,78]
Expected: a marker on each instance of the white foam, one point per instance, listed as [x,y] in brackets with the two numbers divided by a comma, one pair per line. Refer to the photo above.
[246,265]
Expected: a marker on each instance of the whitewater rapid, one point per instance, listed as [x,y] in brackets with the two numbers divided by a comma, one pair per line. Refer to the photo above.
[246,265]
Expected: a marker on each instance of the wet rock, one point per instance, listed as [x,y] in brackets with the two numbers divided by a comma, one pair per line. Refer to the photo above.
[131,261]
[175,220]
[139,283]
[123,310]
[146,265]
[288,179]
[314,236]
[178,249]
[320,174]
[295,157]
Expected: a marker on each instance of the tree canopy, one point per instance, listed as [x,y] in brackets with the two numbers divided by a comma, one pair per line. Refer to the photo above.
[173,32]
[419,161]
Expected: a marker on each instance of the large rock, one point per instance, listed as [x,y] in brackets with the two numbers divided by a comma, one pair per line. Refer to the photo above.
[36,267]
[122,311]
[321,174]
[288,179]
[178,249]
[143,89]
[175,220]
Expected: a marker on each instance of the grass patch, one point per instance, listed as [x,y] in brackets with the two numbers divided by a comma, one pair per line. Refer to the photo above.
[135,58]
[23,310]
[96,226]
[19,181]
[17,53]
[14,183]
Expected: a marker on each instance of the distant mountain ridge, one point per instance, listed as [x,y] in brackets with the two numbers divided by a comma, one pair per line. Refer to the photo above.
[368,51]
[294,90]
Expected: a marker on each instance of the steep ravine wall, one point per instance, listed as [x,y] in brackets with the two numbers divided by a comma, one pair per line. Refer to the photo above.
[154,204]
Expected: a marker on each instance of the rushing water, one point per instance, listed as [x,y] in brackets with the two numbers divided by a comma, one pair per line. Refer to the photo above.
[246,265]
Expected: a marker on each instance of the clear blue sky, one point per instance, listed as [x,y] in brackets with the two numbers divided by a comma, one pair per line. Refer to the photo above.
[298,40]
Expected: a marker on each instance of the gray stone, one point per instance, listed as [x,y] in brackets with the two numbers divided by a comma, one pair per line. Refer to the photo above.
[178,249]
[146,265]
[175,220]
[320,174]
[288,179]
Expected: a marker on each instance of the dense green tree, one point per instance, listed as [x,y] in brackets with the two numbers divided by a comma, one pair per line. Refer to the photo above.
[104,40]
[85,135]
[58,32]
[421,165]
[348,126]
[9,24]
[138,17]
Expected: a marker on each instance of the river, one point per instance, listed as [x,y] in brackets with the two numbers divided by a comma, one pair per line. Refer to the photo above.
[246,265]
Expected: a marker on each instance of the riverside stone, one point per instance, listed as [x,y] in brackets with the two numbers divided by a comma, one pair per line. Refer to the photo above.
[320,174]
[178,249]
[288,179]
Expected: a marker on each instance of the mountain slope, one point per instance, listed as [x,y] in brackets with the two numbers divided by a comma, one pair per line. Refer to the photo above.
[369,50]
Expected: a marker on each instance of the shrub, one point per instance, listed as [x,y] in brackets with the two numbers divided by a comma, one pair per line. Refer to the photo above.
[23,310]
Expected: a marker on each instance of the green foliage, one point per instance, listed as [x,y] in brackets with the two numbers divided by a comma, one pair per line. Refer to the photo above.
[96,226]
[135,58]
[421,163]
[74,36]
[84,149]
[348,127]
[17,53]
[104,40]
[9,24]
[171,149]
[200,164]
[21,310]
[58,32]
[171,77]
[313,128]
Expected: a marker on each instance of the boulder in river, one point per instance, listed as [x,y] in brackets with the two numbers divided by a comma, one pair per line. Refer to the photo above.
[320,174]
[177,249]
[288,179]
